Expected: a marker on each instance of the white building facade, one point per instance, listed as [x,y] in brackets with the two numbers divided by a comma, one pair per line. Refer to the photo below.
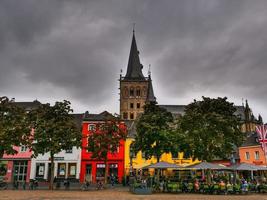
[67,165]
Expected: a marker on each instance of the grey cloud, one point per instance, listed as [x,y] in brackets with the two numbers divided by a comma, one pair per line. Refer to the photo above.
[76,49]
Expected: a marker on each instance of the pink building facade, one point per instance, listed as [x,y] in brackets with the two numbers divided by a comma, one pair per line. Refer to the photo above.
[18,166]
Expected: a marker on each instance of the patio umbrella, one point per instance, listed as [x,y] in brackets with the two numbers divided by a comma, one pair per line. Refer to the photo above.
[162,165]
[246,167]
[207,165]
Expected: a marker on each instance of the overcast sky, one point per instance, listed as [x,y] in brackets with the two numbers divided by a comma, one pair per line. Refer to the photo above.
[53,50]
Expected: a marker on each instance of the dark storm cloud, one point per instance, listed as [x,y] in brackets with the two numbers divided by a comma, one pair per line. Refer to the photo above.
[54,50]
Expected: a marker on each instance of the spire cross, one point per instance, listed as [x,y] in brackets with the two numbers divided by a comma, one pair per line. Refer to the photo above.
[133,27]
[149,70]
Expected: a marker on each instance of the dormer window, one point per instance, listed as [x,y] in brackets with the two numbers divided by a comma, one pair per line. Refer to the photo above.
[91,127]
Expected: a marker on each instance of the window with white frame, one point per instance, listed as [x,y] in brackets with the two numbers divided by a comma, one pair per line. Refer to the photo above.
[23,148]
[91,127]
[69,150]
[257,155]
[247,155]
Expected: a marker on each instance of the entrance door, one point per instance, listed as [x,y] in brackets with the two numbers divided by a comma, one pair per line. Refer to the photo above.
[88,173]
[20,171]
[49,172]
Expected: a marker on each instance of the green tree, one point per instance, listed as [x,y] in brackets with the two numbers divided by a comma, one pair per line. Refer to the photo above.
[209,129]
[106,139]
[55,130]
[154,132]
[14,126]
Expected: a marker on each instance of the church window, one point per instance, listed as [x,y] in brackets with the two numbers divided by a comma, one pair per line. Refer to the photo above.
[125,115]
[144,91]
[131,105]
[126,92]
[131,116]
[131,92]
[138,92]
[138,105]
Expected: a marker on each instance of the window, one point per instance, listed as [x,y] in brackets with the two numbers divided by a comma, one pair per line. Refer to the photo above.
[40,169]
[125,92]
[131,105]
[131,116]
[100,170]
[257,155]
[23,148]
[72,169]
[61,171]
[91,127]
[138,92]
[144,91]
[69,150]
[131,92]
[125,115]
[138,105]
[247,155]
[114,150]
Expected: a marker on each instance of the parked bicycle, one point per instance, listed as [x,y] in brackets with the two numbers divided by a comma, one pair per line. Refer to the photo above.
[85,186]
[3,184]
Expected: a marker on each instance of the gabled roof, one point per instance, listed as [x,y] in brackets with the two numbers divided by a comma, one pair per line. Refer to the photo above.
[134,69]
[180,110]
[28,105]
[98,117]
[251,140]
[78,118]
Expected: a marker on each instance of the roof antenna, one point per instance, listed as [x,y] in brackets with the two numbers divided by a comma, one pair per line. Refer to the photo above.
[242,101]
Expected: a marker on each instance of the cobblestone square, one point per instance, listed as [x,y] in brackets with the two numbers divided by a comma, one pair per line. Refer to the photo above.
[115,194]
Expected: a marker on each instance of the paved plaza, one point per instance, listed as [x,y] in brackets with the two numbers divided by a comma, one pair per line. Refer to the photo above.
[114,194]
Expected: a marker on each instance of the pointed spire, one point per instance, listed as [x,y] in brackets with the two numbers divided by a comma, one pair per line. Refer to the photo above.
[150,92]
[134,69]
[260,121]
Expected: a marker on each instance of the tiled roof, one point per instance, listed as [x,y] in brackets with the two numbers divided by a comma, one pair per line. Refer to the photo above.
[180,110]
[28,105]
[78,117]
[98,117]
[251,140]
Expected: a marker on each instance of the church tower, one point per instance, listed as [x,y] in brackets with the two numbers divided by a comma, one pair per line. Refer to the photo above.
[135,89]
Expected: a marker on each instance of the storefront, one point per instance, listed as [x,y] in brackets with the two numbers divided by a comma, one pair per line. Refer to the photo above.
[17,167]
[95,170]
[66,166]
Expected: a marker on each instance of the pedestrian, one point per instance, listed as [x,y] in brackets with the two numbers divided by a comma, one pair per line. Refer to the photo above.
[112,179]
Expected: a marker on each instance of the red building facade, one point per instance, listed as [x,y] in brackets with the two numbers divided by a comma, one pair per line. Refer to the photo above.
[92,169]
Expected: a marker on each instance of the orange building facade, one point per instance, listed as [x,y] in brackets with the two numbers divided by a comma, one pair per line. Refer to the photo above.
[252,155]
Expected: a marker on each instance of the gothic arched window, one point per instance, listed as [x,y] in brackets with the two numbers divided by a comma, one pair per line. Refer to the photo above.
[138,92]
[125,92]
[131,92]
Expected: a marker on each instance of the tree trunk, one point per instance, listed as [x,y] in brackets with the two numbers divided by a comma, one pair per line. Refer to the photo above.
[106,172]
[52,171]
